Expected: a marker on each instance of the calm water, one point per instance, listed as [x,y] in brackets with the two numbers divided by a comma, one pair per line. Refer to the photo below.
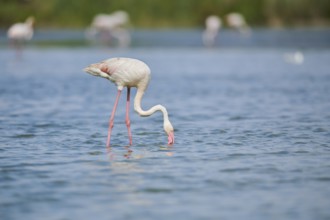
[252,136]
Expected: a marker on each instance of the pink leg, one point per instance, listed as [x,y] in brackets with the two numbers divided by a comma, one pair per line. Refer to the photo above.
[17,47]
[128,122]
[112,118]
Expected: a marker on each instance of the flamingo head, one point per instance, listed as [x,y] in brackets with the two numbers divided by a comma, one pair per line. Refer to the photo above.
[169,131]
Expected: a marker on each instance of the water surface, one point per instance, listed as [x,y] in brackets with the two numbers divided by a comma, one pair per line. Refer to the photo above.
[252,136]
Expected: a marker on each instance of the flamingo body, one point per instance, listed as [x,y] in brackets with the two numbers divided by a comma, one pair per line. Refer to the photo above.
[21,31]
[124,72]
[236,21]
[128,72]
[110,21]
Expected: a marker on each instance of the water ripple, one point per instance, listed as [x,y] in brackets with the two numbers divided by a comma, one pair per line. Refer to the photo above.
[252,132]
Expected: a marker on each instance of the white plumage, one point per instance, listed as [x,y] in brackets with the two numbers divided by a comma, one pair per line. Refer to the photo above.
[21,31]
[236,20]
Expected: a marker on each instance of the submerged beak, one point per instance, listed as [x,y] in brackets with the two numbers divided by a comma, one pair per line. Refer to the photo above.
[171,138]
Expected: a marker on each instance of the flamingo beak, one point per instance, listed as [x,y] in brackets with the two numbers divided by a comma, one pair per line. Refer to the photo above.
[87,69]
[171,138]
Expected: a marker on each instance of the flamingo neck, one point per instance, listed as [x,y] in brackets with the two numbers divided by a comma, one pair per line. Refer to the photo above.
[152,110]
[29,22]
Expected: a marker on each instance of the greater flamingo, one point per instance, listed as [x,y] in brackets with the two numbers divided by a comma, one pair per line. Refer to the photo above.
[20,32]
[212,26]
[128,72]
[236,20]
[106,26]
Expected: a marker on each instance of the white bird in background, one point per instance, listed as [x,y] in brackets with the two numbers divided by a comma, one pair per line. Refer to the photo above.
[236,20]
[212,26]
[107,26]
[127,72]
[21,32]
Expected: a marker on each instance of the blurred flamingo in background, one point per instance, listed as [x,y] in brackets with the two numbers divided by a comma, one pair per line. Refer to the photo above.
[236,20]
[104,27]
[20,32]
[127,72]
[212,26]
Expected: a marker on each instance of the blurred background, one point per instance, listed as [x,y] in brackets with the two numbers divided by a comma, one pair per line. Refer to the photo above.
[188,15]
[164,14]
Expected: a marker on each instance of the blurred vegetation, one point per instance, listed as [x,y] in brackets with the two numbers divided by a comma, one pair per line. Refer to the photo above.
[166,13]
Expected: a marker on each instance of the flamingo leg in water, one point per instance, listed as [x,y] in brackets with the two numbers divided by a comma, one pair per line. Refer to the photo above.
[128,122]
[112,118]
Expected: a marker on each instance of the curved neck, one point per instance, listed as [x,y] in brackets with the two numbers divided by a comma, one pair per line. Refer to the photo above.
[29,22]
[141,112]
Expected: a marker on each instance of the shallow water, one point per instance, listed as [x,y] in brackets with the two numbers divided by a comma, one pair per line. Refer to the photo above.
[252,136]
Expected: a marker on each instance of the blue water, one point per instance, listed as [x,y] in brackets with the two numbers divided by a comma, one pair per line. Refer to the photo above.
[252,136]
